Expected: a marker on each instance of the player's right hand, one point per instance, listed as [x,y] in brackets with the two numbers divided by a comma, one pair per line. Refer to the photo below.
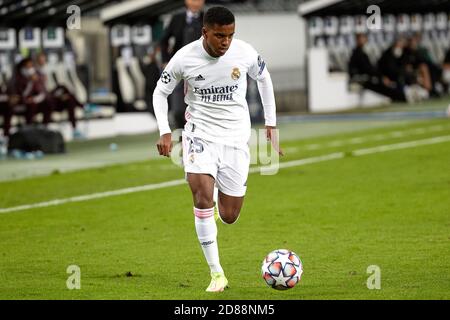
[165,145]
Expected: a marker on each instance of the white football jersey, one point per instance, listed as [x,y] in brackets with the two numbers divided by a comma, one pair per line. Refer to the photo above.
[215,89]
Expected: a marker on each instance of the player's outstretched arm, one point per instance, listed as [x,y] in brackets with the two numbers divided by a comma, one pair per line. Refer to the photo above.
[161,107]
[170,77]
[265,88]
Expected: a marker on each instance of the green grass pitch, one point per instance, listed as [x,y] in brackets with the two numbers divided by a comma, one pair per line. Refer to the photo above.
[389,209]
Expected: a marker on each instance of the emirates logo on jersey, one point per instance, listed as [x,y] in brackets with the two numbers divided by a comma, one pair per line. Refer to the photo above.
[235,74]
[216,94]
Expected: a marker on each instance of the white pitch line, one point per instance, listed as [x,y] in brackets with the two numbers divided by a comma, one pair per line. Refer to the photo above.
[401,145]
[336,143]
[92,196]
[376,137]
[313,147]
[297,163]
[288,164]
[397,134]
[379,137]
[357,140]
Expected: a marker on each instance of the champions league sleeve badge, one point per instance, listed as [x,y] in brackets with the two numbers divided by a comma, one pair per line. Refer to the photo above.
[165,77]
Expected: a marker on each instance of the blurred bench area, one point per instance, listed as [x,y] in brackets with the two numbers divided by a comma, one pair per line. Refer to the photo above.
[104,57]
[88,68]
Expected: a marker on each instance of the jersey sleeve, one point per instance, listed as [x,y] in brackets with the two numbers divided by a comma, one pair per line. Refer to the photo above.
[257,64]
[258,71]
[171,75]
[169,79]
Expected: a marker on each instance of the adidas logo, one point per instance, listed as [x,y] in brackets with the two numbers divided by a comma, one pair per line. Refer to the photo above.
[199,78]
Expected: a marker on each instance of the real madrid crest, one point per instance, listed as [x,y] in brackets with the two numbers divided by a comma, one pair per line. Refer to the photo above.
[235,74]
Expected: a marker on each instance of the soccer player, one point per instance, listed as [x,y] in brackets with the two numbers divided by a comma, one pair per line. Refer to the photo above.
[216,135]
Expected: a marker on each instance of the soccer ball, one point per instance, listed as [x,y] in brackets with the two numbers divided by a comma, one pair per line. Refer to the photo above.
[282,269]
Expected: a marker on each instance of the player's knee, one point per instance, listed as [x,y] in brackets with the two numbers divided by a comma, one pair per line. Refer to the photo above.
[203,201]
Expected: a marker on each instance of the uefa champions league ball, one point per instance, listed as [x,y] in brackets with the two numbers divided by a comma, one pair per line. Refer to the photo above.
[282,269]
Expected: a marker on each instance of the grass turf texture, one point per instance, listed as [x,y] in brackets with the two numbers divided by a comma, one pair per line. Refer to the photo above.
[389,209]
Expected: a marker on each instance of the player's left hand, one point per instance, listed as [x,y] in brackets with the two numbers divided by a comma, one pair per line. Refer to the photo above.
[271,135]
[165,145]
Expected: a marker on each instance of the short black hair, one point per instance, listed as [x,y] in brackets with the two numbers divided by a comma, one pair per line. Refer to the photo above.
[218,15]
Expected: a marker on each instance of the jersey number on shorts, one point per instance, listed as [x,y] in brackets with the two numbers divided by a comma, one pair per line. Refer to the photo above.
[195,145]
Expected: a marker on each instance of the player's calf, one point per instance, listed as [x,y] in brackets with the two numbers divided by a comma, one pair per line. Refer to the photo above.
[229,208]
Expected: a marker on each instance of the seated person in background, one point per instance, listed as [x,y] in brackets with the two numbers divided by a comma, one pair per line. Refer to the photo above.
[434,67]
[8,103]
[392,64]
[33,94]
[398,73]
[418,61]
[62,99]
[367,75]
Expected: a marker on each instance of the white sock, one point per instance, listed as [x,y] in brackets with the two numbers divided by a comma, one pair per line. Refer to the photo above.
[206,228]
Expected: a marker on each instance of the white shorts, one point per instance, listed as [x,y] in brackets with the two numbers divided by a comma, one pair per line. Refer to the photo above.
[226,164]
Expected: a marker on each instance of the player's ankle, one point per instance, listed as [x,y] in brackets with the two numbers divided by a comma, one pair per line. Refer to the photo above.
[216,269]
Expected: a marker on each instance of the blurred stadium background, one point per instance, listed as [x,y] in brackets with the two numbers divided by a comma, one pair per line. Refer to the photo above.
[107,60]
